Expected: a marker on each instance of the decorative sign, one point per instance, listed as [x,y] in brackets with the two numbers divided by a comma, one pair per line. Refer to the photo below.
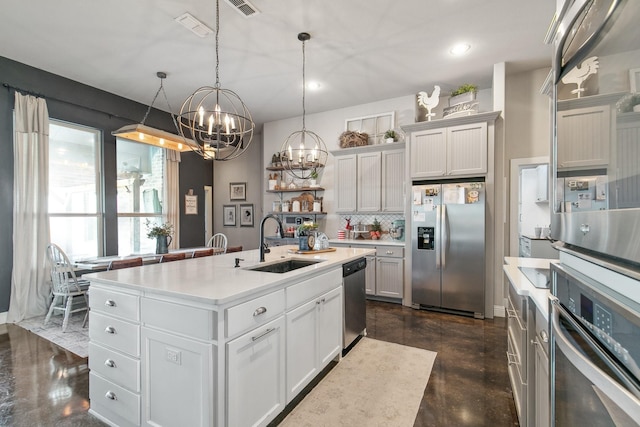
[462,109]
[426,102]
[190,204]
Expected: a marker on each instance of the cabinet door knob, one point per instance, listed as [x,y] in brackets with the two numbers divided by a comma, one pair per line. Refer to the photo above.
[110,303]
[111,395]
[544,336]
[389,252]
[109,363]
[110,330]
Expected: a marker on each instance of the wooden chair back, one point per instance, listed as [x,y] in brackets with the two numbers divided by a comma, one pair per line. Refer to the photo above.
[173,257]
[202,252]
[125,263]
[234,249]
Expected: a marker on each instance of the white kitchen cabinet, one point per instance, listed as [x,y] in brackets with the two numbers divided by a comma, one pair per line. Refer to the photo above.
[256,375]
[542,387]
[177,374]
[542,183]
[370,179]
[537,248]
[389,272]
[370,275]
[450,151]
[393,172]
[114,356]
[585,136]
[346,178]
[369,182]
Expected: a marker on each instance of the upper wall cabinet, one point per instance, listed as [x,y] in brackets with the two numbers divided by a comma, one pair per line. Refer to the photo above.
[585,135]
[370,178]
[450,147]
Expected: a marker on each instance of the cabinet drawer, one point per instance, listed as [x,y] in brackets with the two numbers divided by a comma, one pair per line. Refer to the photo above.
[115,333]
[186,320]
[115,367]
[114,303]
[254,313]
[309,289]
[114,402]
[390,251]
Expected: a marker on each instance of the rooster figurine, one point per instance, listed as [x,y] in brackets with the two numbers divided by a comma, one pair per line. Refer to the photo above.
[580,73]
[429,102]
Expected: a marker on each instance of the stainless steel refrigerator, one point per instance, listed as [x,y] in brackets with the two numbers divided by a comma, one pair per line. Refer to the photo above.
[448,246]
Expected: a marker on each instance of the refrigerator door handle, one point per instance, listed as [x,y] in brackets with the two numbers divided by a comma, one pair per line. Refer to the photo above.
[436,236]
[445,236]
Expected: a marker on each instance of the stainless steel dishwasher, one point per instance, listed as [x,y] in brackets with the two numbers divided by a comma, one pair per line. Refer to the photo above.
[355,308]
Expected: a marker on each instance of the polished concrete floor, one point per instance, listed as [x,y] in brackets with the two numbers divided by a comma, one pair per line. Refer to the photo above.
[41,384]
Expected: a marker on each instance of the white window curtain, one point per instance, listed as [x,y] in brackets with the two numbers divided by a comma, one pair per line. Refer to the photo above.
[171,198]
[30,282]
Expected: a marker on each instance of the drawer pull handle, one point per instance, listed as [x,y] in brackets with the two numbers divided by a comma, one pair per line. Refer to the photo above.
[259,311]
[389,252]
[111,395]
[110,303]
[109,363]
[267,332]
[110,330]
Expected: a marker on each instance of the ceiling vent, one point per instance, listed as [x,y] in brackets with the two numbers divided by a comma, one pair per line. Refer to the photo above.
[190,22]
[243,7]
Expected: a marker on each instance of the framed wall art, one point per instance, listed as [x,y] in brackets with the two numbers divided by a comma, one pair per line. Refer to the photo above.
[634,80]
[246,215]
[229,215]
[238,191]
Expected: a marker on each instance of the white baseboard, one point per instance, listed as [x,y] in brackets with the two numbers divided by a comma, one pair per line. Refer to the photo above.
[3,317]
[499,311]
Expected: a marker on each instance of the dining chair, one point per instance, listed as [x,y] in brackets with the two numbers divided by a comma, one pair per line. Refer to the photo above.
[173,257]
[69,292]
[117,264]
[218,241]
[202,253]
[234,249]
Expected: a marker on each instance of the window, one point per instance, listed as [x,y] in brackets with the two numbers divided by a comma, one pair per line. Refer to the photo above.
[140,192]
[375,126]
[75,210]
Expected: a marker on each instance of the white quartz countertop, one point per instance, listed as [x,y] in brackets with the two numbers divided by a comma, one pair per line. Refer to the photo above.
[366,242]
[523,286]
[215,280]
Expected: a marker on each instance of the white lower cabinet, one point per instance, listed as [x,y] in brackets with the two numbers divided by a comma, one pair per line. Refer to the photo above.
[370,275]
[389,277]
[178,374]
[313,339]
[256,375]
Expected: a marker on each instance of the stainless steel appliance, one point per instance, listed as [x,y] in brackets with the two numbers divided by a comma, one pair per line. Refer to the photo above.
[355,308]
[595,348]
[596,71]
[447,246]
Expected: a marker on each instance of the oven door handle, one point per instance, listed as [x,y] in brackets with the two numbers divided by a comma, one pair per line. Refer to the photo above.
[624,398]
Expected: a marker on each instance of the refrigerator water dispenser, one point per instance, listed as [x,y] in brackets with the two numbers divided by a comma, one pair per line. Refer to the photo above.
[426,236]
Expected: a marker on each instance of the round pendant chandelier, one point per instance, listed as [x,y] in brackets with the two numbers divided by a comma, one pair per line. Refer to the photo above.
[215,118]
[303,152]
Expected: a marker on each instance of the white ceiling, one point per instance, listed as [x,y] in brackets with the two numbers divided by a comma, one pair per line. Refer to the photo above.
[360,50]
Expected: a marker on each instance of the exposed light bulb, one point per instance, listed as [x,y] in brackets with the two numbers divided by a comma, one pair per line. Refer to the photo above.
[141,136]
[161,141]
[314,85]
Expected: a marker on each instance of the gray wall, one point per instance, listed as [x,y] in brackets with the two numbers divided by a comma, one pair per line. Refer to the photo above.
[77,103]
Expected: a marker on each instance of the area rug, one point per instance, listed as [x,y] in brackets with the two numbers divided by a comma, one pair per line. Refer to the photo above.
[75,339]
[376,384]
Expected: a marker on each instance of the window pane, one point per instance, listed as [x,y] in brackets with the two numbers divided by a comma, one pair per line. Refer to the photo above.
[132,236]
[77,236]
[75,207]
[140,192]
[73,170]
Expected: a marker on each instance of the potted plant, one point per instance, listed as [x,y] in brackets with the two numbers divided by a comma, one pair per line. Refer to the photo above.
[465,93]
[390,136]
[162,233]
[376,229]
[313,178]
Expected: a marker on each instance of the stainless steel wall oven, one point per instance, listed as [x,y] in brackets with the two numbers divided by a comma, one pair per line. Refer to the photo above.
[595,348]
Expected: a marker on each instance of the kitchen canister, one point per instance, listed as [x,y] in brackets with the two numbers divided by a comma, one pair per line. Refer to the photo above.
[295,206]
[341,234]
[317,206]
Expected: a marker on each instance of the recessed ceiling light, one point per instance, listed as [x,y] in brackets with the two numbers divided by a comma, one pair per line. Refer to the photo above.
[313,86]
[460,49]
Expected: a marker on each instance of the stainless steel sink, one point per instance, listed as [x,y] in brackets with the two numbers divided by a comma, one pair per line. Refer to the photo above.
[285,266]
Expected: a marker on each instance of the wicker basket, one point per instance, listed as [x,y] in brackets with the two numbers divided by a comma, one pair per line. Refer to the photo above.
[353,139]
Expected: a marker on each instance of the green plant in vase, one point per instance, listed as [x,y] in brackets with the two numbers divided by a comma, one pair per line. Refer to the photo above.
[376,229]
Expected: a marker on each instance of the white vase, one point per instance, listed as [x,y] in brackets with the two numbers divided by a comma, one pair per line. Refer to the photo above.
[389,140]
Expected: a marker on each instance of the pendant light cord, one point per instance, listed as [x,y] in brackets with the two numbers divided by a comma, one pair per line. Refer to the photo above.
[217,32]
[304,87]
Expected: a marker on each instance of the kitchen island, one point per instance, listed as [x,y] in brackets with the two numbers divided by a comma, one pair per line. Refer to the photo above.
[201,342]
